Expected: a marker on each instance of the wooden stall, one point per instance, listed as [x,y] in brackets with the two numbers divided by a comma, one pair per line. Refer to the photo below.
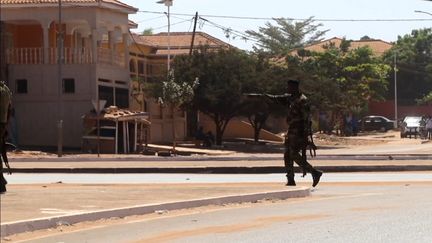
[120,131]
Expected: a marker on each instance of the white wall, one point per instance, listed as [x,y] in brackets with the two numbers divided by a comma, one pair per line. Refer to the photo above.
[37,112]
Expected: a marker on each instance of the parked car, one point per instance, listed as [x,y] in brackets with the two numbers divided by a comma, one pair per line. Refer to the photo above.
[410,126]
[376,123]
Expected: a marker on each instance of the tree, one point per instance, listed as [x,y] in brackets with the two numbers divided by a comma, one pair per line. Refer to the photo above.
[341,80]
[366,38]
[222,75]
[427,99]
[268,79]
[413,54]
[176,94]
[276,40]
[148,31]
[286,35]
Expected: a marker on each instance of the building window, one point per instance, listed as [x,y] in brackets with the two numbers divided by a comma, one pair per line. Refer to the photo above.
[141,68]
[149,69]
[21,86]
[68,86]
[132,67]
[106,93]
[122,98]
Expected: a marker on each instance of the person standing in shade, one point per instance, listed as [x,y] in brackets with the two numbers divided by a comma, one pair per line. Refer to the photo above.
[429,128]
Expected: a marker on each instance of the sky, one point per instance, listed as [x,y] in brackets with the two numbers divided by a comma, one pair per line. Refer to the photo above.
[300,9]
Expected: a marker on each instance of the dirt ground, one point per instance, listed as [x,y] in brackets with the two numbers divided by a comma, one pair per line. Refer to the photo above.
[246,146]
[370,138]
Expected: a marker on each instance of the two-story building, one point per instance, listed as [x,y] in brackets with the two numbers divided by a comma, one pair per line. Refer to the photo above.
[60,57]
[57,58]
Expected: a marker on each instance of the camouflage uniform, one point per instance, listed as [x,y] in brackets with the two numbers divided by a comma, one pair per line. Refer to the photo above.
[298,120]
[5,102]
[296,140]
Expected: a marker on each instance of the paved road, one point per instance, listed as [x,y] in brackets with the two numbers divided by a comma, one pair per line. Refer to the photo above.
[340,212]
[209,178]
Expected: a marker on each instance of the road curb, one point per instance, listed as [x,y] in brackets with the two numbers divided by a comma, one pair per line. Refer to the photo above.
[229,158]
[44,223]
[223,170]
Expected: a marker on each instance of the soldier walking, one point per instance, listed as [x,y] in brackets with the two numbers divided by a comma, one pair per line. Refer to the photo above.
[5,105]
[299,134]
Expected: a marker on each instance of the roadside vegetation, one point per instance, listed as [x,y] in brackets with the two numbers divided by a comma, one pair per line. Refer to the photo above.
[339,80]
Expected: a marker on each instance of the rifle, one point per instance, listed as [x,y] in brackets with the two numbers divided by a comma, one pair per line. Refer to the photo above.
[283,99]
[309,143]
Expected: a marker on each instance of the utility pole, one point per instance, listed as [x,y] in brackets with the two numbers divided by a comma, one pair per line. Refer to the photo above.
[169,38]
[193,33]
[60,82]
[192,114]
[395,89]
[168,4]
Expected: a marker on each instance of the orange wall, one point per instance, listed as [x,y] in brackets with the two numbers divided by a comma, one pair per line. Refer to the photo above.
[32,36]
[28,36]
[386,108]
[52,35]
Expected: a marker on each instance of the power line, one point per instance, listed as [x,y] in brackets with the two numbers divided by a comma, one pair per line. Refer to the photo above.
[150,19]
[229,30]
[182,18]
[299,19]
[161,27]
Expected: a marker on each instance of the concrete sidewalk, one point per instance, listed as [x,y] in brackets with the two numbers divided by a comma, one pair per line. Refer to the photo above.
[32,207]
[219,165]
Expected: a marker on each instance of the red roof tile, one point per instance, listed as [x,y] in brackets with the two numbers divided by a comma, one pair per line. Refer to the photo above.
[179,42]
[49,2]
[378,46]
[183,39]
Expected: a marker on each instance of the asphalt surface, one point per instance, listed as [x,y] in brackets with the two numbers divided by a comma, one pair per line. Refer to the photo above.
[114,173]
[341,212]
[57,197]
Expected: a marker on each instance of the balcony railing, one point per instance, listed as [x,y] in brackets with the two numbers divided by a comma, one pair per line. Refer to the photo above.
[36,55]
[24,56]
[70,56]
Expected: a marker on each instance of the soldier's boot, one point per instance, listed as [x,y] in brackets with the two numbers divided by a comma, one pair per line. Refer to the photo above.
[316,175]
[290,182]
[2,189]
[3,183]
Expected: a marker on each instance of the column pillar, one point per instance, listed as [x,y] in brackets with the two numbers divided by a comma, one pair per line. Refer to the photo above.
[94,38]
[46,49]
[111,45]
[126,50]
